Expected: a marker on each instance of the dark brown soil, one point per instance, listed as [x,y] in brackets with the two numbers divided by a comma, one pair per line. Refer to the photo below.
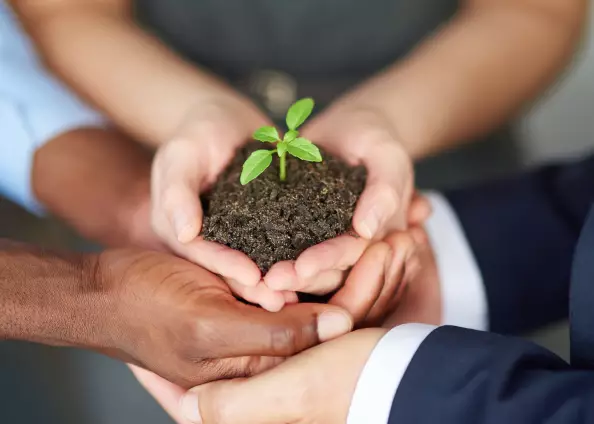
[272,221]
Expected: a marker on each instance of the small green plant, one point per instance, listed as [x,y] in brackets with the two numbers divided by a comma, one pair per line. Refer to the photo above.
[291,143]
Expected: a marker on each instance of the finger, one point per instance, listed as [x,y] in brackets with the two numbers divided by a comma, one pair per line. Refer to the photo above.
[219,259]
[261,294]
[365,282]
[282,276]
[339,253]
[420,236]
[403,248]
[256,332]
[420,210]
[323,283]
[383,205]
[290,297]
[167,394]
[182,209]
[244,401]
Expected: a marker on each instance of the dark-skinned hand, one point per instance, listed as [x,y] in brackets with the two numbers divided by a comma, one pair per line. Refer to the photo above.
[184,323]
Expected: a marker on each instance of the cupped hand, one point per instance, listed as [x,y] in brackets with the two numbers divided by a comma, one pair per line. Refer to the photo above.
[185,167]
[316,386]
[388,202]
[183,323]
[365,137]
[372,287]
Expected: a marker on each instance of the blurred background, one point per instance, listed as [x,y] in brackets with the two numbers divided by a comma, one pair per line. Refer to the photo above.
[40,384]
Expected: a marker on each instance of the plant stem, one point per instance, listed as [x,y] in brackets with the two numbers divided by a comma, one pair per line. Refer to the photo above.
[283,167]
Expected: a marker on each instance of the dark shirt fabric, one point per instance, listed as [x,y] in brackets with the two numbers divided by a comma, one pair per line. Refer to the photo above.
[324,47]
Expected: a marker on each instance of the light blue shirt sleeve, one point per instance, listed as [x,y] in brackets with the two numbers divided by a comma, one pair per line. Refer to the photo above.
[34,108]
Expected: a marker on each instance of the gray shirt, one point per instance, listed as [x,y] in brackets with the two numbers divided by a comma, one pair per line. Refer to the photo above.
[278,50]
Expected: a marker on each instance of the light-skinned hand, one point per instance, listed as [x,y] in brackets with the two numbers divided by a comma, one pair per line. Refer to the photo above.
[184,168]
[388,202]
[315,387]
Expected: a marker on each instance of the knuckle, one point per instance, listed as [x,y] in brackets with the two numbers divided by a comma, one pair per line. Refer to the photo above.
[401,241]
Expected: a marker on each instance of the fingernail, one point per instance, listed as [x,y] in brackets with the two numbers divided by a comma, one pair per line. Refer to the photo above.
[333,324]
[371,223]
[190,408]
[182,226]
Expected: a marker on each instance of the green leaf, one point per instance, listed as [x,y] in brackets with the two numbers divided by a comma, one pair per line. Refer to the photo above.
[266,134]
[255,165]
[290,136]
[304,149]
[299,112]
[281,148]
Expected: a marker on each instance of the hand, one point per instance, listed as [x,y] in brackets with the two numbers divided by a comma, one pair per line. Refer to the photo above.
[182,322]
[388,202]
[382,272]
[364,137]
[184,168]
[167,394]
[398,287]
[420,302]
[314,387]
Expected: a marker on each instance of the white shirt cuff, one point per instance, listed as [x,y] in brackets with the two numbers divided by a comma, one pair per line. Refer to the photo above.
[464,302]
[381,376]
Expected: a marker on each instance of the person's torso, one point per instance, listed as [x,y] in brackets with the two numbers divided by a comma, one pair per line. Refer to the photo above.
[306,38]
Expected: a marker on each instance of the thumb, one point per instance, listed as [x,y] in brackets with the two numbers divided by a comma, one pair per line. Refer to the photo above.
[256,332]
[383,205]
[176,208]
[183,211]
[240,401]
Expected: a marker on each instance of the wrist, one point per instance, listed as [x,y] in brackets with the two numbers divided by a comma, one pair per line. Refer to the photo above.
[416,131]
[52,298]
[237,114]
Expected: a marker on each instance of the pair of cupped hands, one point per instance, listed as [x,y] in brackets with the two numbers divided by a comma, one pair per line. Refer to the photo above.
[381,249]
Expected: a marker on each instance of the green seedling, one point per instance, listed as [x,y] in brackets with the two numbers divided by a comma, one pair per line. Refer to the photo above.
[291,143]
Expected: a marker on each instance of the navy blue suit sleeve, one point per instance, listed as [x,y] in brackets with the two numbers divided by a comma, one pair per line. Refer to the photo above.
[462,376]
[523,231]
